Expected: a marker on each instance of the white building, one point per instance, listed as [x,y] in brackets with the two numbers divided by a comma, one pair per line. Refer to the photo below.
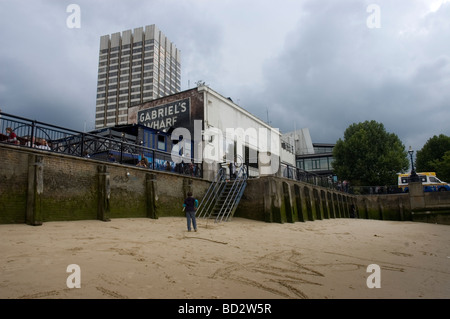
[301,139]
[220,131]
[312,157]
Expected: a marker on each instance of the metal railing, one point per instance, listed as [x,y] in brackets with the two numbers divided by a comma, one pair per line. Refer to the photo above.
[375,190]
[210,197]
[233,196]
[328,182]
[52,138]
[300,175]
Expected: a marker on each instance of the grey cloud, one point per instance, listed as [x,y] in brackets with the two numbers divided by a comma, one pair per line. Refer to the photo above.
[310,63]
[336,71]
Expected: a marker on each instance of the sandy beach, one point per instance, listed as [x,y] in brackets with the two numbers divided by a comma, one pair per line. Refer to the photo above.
[240,259]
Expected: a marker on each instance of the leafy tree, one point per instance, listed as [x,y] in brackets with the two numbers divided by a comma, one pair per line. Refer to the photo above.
[443,167]
[369,156]
[431,157]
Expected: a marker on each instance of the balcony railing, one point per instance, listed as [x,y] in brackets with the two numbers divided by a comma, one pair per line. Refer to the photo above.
[38,135]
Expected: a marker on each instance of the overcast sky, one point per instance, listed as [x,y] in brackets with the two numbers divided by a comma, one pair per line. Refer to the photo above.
[317,64]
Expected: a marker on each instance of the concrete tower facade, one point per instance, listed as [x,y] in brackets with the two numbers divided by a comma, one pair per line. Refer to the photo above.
[134,67]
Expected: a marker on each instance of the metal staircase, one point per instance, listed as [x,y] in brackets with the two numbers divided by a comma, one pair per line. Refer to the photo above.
[223,196]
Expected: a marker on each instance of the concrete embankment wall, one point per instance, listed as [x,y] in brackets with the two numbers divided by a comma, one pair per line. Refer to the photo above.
[431,207]
[39,186]
[274,199]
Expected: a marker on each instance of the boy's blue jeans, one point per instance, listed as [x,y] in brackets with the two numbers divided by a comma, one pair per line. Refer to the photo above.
[191,216]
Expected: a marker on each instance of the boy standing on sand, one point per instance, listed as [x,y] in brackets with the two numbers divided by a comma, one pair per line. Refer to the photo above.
[190,205]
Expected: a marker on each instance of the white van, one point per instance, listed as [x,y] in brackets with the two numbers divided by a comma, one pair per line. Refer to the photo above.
[429,181]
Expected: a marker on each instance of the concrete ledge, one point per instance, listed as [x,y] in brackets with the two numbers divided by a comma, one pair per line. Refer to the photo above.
[434,217]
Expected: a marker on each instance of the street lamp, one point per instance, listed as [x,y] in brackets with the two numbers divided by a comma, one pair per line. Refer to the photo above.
[414,177]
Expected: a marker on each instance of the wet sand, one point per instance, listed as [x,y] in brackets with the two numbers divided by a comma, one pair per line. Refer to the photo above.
[240,259]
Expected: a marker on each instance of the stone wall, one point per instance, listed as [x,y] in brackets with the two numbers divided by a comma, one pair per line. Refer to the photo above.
[432,207]
[39,186]
[384,207]
[275,199]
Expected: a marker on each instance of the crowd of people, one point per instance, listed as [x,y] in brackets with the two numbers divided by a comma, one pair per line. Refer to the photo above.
[343,186]
[180,168]
[11,137]
[41,143]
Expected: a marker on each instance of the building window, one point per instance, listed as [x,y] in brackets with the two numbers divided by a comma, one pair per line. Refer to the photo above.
[161,142]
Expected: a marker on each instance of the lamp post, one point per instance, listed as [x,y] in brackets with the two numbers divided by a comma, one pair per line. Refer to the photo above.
[414,177]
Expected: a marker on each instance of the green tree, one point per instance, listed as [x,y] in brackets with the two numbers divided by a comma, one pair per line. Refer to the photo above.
[369,156]
[431,158]
[443,167]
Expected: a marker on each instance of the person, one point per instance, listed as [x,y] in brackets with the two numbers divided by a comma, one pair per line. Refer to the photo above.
[44,145]
[179,168]
[232,170]
[142,163]
[345,186]
[12,137]
[111,157]
[31,143]
[196,172]
[353,212]
[190,206]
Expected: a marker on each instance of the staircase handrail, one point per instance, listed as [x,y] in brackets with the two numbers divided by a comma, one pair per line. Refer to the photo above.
[220,177]
[235,198]
[240,176]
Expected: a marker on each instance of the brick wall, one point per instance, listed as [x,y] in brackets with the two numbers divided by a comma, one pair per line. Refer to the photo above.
[72,188]
[13,185]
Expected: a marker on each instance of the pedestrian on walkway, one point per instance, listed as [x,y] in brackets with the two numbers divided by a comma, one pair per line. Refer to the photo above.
[12,137]
[190,206]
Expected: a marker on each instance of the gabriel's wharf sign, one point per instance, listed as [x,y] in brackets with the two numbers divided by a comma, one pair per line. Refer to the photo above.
[177,113]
